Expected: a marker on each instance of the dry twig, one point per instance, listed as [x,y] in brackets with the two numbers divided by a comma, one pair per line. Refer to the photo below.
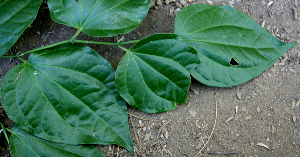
[162,127]
[212,128]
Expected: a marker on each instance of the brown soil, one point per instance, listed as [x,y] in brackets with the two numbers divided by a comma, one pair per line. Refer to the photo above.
[258,118]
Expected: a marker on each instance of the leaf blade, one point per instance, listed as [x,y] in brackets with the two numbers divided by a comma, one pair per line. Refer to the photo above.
[221,34]
[24,144]
[123,74]
[100,17]
[64,85]
[152,76]
[15,17]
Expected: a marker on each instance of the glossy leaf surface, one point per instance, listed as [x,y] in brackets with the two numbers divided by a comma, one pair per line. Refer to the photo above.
[67,94]
[99,17]
[15,17]
[21,143]
[223,35]
[153,74]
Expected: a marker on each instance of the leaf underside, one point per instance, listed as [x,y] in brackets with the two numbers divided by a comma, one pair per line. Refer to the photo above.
[154,73]
[222,34]
[67,94]
[21,143]
[99,17]
[15,17]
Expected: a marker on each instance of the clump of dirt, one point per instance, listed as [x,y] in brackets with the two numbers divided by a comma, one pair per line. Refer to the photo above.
[258,118]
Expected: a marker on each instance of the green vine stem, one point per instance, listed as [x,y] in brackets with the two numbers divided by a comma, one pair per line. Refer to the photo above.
[128,42]
[123,48]
[4,131]
[76,34]
[92,42]
[70,41]
[42,48]
[8,56]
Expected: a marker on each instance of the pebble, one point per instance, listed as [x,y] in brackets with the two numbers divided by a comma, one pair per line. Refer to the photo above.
[159,3]
[258,109]
[176,11]
[294,119]
[273,129]
[193,113]
[178,5]
[183,3]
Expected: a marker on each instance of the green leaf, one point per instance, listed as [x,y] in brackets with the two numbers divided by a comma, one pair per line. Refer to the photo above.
[15,17]
[21,143]
[223,35]
[67,94]
[150,77]
[99,17]
[169,46]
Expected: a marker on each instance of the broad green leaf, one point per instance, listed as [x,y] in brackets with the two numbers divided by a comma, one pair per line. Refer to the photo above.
[150,77]
[15,17]
[222,34]
[67,94]
[169,46]
[21,143]
[99,17]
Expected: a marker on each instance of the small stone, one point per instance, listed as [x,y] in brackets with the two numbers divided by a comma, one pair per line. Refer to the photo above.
[294,119]
[159,3]
[176,11]
[294,56]
[178,5]
[193,113]
[258,109]
[183,3]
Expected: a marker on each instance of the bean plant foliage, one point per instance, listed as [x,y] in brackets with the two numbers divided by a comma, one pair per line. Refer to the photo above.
[66,99]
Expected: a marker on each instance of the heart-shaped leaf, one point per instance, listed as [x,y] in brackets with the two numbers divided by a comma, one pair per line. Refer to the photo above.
[67,94]
[15,17]
[99,17]
[232,47]
[21,143]
[150,76]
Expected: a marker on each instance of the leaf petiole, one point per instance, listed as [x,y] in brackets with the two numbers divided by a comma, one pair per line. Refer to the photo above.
[4,131]
[104,43]
[76,34]
[123,48]
[45,47]
[92,42]
[128,42]
[68,41]
[8,56]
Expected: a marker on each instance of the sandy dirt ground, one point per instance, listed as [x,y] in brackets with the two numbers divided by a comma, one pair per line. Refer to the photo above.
[258,118]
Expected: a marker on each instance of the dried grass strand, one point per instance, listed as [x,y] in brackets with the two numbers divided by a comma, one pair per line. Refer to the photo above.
[212,131]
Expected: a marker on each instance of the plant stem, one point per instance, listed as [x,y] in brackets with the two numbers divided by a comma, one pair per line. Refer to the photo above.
[8,56]
[92,42]
[123,48]
[23,60]
[72,40]
[45,47]
[76,34]
[103,43]
[4,131]
[128,42]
